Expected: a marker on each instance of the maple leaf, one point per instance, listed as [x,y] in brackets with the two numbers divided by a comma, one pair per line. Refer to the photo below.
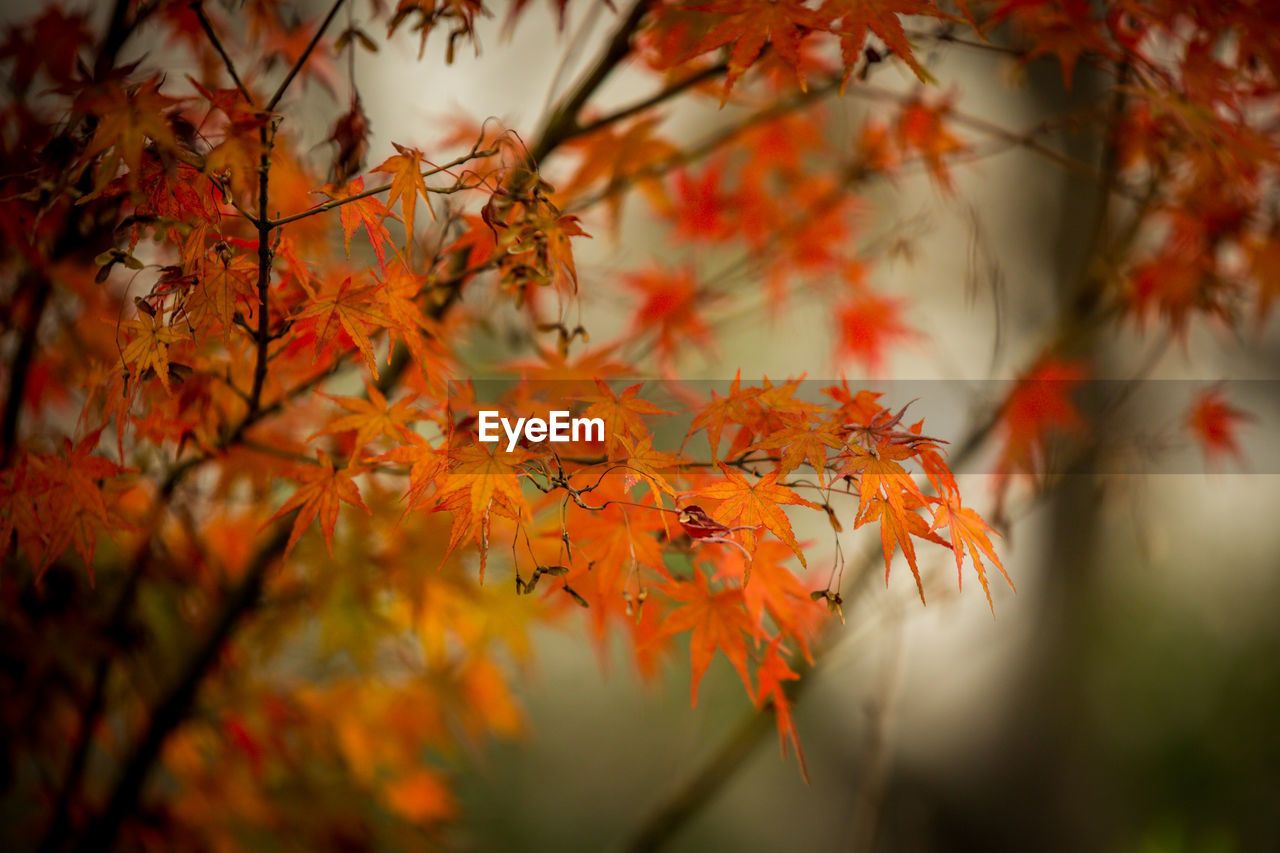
[968,530]
[481,480]
[1039,406]
[879,474]
[702,206]
[425,464]
[351,309]
[1215,423]
[128,119]
[921,127]
[621,412]
[407,184]
[149,349]
[61,503]
[774,589]
[613,155]
[746,25]
[722,411]
[224,279]
[899,521]
[671,304]
[372,417]
[801,445]
[368,213]
[717,619]
[749,504]
[771,674]
[854,19]
[866,325]
[647,464]
[1066,29]
[323,490]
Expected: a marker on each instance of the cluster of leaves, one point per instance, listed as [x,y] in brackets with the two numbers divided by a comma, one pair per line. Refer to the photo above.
[207,327]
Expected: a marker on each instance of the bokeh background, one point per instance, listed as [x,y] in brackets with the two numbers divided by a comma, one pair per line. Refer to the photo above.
[1126,698]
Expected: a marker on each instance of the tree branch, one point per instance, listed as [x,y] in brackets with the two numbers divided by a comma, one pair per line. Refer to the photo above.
[1079,318]
[306,53]
[198,7]
[562,124]
[38,286]
[339,202]
[651,101]
[172,708]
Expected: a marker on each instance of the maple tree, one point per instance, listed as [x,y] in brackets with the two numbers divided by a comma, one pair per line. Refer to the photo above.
[239,422]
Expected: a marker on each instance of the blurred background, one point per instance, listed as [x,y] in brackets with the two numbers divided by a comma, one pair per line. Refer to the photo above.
[1125,698]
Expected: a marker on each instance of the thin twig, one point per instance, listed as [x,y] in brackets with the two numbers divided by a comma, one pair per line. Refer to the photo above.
[382,188]
[563,121]
[653,100]
[306,53]
[205,24]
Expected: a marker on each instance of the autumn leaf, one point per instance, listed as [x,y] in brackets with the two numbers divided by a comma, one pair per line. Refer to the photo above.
[1039,407]
[921,128]
[481,479]
[372,417]
[1215,424]
[899,521]
[774,590]
[149,348]
[128,118]
[969,531]
[323,490]
[771,675]
[407,184]
[722,411]
[800,445]
[717,619]
[368,213]
[671,306]
[749,504]
[353,309]
[855,19]
[745,26]
[866,325]
[621,413]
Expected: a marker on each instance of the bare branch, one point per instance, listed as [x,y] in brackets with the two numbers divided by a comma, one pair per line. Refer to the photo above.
[205,24]
[306,54]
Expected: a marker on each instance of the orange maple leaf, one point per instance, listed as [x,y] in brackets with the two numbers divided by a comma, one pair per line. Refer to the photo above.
[407,184]
[372,417]
[968,530]
[854,19]
[1214,423]
[718,620]
[149,348]
[323,489]
[921,127]
[747,25]
[352,309]
[770,675]
[621,413]
[368,213]
[748,504]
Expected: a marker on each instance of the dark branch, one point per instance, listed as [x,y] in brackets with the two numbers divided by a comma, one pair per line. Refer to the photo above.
[306,54]
[174,706]
[563,122]
[205,24]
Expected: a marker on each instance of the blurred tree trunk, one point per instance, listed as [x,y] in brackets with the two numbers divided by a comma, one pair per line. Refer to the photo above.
[1043,790]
